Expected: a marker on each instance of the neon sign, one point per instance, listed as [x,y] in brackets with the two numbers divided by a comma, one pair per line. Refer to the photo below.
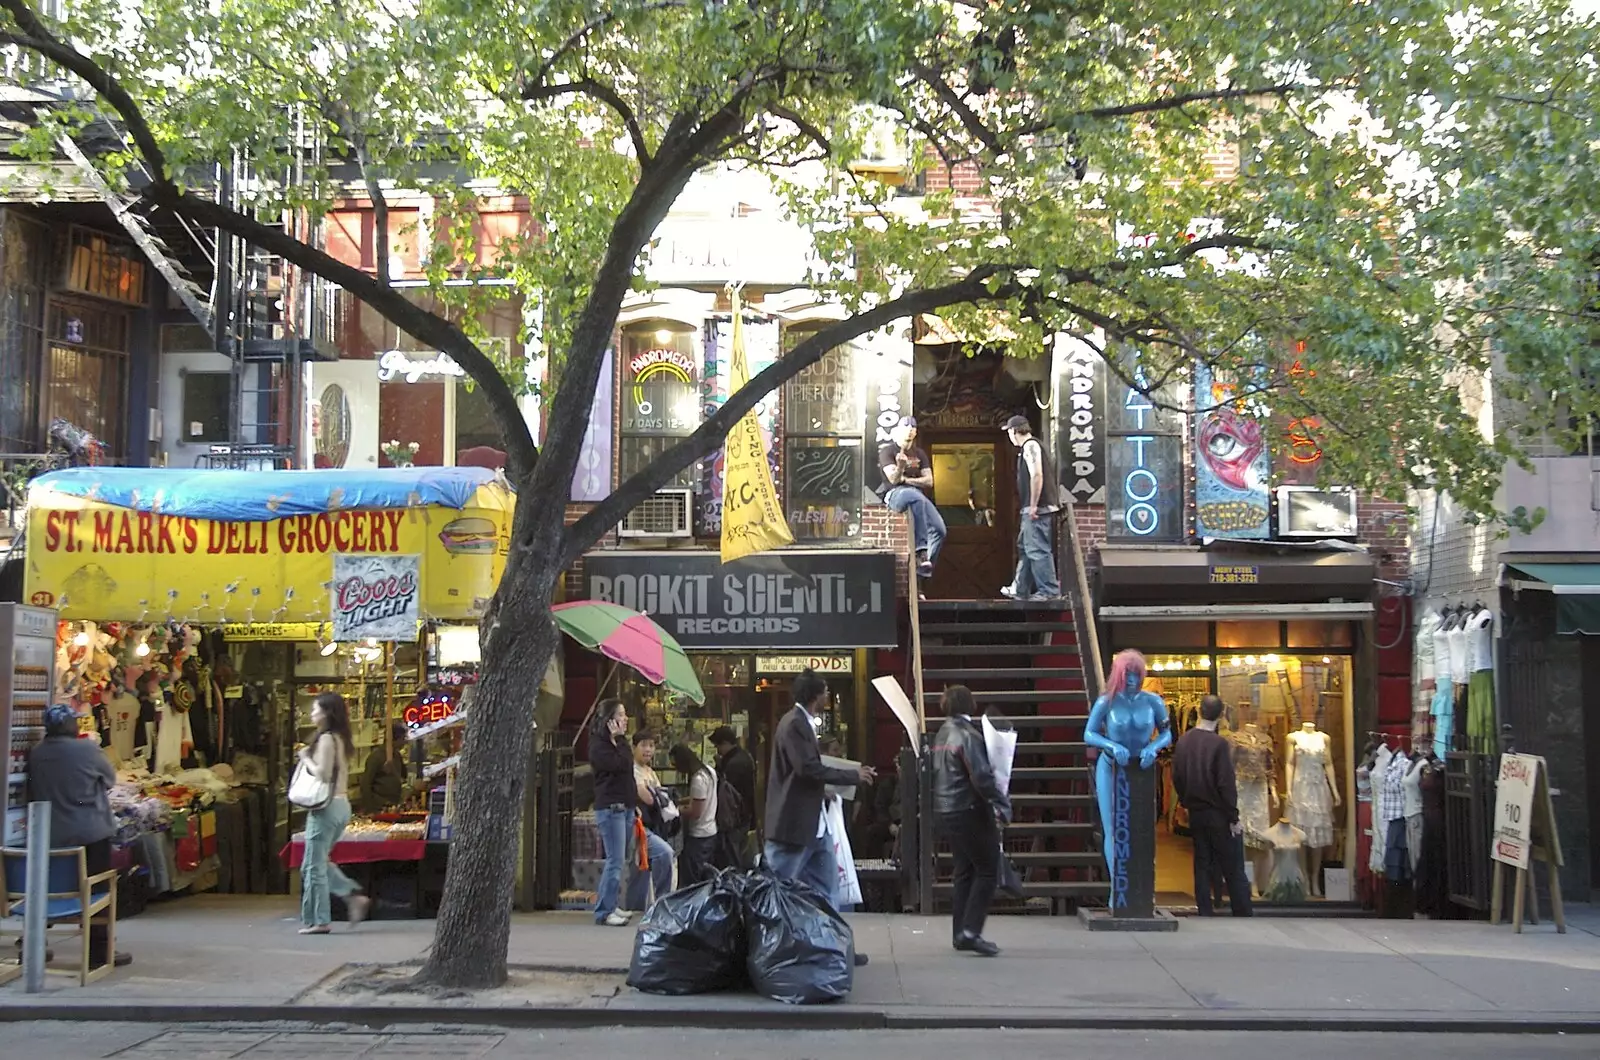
[411,368]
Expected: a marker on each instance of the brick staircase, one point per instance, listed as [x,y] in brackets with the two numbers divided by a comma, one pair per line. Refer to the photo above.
[1023,659]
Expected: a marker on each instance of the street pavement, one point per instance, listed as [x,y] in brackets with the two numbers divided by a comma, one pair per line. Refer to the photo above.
[93,1041]
[214,958]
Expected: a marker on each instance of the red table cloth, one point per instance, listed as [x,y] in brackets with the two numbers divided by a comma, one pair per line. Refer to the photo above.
[359,851]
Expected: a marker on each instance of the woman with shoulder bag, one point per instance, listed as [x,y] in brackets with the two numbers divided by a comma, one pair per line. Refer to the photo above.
[327,760]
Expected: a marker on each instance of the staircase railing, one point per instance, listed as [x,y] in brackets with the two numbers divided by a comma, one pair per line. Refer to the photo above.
[924,822]
[1088,649]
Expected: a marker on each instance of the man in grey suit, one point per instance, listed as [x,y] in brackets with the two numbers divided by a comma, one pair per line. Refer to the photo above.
[797,847]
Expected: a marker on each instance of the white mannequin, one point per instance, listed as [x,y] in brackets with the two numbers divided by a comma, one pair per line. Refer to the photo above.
[1309,743]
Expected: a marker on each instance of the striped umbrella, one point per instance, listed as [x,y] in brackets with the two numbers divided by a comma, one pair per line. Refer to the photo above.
[632,639]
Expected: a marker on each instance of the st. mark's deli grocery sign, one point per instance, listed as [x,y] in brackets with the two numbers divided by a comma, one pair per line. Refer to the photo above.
[785,600]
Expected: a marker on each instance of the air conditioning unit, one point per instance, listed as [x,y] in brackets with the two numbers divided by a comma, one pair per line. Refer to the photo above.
[1306,512]
[668,513]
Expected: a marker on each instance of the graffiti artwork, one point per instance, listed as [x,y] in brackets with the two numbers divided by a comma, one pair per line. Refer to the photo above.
[1232,465]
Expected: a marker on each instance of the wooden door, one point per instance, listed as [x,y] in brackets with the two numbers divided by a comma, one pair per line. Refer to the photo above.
[974,486]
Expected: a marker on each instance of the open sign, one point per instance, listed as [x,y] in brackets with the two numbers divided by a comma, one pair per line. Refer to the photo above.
[418,714]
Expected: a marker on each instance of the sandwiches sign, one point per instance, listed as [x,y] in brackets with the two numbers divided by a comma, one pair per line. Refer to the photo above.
[376,596]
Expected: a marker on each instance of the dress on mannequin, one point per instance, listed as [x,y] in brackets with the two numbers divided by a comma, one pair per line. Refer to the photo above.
[1287,880]
[1310,795]
[1253,771]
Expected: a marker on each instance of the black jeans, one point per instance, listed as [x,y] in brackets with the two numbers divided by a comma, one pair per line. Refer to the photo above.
[1216,847]
[975,845]
[694,864]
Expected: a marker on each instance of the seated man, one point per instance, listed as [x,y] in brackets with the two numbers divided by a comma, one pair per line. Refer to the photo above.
[908,487]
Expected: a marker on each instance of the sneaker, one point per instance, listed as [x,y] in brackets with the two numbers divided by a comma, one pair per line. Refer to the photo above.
[617,919]
[861,960]
[1040,598]
[924,569]
[1008,591]
[357,906]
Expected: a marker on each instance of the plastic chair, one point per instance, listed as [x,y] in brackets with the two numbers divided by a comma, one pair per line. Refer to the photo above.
[75,897]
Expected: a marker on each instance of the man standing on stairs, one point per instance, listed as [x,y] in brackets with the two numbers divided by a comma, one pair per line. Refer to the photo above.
[969,806]
[908,486]
[1202,774]
[1036,489]
[797,846]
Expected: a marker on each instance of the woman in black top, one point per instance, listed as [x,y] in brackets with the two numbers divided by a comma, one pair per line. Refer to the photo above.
[615,801]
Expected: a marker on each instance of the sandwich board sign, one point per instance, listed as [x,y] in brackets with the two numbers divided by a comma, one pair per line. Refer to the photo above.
[1525,832]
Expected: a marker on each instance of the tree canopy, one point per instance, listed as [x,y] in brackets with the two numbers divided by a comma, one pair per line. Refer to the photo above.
[1415,190]
[1414,200]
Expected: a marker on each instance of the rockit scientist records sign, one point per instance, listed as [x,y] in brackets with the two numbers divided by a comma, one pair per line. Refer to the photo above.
[376,596]
[787,600]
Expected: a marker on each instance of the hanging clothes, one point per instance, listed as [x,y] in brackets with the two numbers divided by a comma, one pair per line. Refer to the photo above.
[174,737]
[1412,786]
[122,724]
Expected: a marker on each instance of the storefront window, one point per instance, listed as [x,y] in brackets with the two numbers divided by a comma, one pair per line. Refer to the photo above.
[86,373]
[660,394]
[1311,634]
[1289,716]
[823,453]
[1258,633]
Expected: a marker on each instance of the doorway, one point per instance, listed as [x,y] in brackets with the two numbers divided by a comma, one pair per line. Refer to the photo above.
[976,493]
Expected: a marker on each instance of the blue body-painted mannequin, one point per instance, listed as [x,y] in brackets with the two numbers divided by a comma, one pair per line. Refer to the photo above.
[1128,724]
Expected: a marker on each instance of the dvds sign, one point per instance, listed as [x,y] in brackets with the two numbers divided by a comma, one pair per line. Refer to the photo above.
[376,596]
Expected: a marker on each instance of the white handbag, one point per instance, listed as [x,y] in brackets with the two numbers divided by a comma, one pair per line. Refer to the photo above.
[307,790]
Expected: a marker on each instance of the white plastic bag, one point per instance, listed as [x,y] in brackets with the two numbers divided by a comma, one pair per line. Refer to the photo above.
[843,856]
[1002,747]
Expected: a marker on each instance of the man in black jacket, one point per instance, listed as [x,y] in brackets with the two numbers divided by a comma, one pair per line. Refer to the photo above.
[738,769]
[969,806]
[1202,775]
[797,847]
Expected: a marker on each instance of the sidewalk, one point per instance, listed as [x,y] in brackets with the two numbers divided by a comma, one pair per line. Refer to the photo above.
[224,958]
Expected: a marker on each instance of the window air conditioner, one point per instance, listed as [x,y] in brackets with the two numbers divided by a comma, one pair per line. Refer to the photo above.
[1309,512]
[668,513]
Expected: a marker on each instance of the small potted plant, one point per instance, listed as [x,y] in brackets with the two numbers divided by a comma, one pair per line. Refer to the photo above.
[401,454]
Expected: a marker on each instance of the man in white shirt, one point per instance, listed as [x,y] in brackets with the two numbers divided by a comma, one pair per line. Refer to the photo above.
[1036,492]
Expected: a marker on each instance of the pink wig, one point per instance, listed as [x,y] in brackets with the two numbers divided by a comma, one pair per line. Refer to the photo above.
[1127,662]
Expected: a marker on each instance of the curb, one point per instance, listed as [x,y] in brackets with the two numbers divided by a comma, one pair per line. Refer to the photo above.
[785,1018]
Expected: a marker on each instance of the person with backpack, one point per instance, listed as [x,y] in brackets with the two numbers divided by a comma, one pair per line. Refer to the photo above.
[699,812]
[736,798]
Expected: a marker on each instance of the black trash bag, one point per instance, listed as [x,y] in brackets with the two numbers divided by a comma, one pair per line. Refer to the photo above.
[801,951]
[692,941]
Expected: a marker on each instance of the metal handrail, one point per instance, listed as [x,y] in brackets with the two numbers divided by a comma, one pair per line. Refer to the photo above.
[1093,668]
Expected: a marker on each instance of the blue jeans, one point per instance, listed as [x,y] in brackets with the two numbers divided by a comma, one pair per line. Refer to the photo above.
[1036,558]
[613,824]
[659,878]
[319,876]
[812,863]
[927,525]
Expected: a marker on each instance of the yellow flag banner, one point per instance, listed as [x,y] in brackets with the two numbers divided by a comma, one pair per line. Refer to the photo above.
[752,517]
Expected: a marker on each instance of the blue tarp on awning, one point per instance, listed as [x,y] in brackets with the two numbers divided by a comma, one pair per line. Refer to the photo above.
[255,496]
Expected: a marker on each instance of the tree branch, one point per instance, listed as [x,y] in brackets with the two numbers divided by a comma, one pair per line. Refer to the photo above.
[807,129]
[369,177]
[606,94]
[1153,106]
[599,21]
[714,430]
[969,117]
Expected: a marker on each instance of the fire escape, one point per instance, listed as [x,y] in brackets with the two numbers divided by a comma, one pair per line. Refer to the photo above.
[270,318]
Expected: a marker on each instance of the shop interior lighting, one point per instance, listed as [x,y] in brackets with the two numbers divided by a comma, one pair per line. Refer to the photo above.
[1203,662]
[1237,661]
[1269,658]
[1249,660]
[663,336]
[326,644]
[142,648]
[1326,659]
[82,639]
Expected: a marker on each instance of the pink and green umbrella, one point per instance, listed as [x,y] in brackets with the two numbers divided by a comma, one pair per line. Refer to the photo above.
[632,639]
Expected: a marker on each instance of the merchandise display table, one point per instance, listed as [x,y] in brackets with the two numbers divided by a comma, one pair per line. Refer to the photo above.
[359,851]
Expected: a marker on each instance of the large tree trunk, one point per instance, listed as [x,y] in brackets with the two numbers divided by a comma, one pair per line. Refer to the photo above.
[473,932]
